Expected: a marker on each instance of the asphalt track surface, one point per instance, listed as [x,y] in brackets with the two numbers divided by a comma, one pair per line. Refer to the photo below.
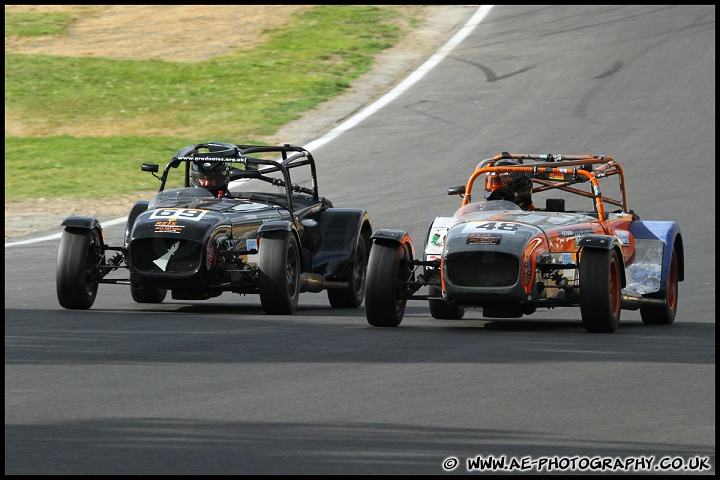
[219,387]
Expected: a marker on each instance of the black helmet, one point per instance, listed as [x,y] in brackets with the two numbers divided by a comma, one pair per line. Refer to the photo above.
[212,176]
[513,186]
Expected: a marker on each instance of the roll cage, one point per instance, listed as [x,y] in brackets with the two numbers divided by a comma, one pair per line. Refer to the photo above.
[567,171]
[288,157]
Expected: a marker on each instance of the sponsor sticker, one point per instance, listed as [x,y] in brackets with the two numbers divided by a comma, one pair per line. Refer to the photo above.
[578,233]
[252,244]
[624,237]
[168,227]
[484,239]
[436,241]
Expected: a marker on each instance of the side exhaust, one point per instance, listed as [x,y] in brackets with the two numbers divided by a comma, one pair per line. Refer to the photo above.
[633,303]
[314,283]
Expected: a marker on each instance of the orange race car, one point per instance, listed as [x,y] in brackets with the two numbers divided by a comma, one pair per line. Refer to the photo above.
[509,257]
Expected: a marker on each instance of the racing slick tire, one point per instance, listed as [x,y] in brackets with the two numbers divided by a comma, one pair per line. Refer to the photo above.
[385,295]
[148,295]
[663,315]
[441,309]
[78,268]
[353,295]
[279,274]
[600,290]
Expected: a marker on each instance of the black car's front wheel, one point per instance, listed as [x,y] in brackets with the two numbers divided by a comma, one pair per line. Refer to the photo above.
[353,295]
[385,298]
[78,268]
[279,274]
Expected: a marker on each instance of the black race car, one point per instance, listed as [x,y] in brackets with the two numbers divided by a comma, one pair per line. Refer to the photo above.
[273,236]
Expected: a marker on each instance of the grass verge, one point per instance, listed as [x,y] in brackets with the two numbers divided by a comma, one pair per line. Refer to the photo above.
[130,111]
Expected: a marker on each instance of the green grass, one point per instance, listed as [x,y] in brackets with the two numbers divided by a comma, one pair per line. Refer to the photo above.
[152,108]
[65,166]
[30,24]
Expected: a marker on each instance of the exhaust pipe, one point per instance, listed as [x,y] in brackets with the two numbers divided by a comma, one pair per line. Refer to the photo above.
[630,302]
[315,283]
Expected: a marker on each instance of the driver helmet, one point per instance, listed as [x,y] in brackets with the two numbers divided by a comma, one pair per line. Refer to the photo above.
[212,176]
[513,186]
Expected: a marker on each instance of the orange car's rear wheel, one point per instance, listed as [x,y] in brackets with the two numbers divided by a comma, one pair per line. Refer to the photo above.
[441,309]
[663,314]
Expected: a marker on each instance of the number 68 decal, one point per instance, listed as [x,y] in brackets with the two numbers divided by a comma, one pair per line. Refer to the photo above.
[178,213]
[486,227]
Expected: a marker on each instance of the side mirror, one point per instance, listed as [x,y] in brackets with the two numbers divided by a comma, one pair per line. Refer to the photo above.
[150,167]
[459,190]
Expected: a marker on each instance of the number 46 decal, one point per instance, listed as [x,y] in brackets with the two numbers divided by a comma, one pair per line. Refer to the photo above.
[178,213]
[487,227]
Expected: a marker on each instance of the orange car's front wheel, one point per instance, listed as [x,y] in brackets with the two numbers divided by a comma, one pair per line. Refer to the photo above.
[600,290]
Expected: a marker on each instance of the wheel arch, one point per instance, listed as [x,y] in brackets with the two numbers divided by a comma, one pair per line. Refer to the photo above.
[604,242]
[340,229]
[670,234]
[84,223]
[391,237]
[278,229]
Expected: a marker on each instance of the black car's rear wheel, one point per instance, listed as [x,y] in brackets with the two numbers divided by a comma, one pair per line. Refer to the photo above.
[148,295]
[78,268]
[353,295]
[441,309]
[600,290]
[279,274]
[663,314]
[385,298]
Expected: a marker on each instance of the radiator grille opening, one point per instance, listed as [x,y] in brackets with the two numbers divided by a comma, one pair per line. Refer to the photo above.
[166,255]
[482,269]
